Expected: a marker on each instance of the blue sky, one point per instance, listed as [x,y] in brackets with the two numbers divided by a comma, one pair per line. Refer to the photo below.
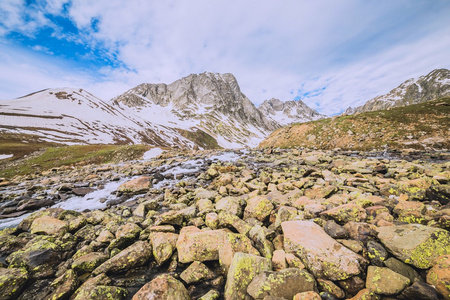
[331,54]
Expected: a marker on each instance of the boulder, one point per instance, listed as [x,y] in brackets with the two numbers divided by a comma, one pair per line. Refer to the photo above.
[244,268]
[64,286]
[384,281]
[230,245]
[48,226]
[346,213]
[88,262]
[439,276]
[419,291]
[163,287]
[12,280]
[258,207]
[415,244]
[135,186]
[310,295]
[285,283]
[196,245]
[323,256]
[196,272]
[163,245]
[133,256]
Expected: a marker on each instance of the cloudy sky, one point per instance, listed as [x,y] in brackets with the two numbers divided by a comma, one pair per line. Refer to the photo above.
[331,54]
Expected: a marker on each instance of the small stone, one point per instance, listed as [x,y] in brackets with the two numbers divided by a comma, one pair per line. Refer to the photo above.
[212,220]
[365,294]
[384,281]
[335,230]
[376,252]
[196,272]
[258,236]
[163,287]
[210,295]
[279,260]
[331,288]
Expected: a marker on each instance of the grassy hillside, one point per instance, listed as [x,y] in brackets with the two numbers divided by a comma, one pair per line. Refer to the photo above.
[53,157]
[420,126]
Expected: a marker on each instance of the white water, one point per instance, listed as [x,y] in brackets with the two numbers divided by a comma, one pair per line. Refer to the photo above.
[13,222]
[226,156]
[92,200]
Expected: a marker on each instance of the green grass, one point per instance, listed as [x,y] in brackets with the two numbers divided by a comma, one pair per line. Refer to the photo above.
[54,157]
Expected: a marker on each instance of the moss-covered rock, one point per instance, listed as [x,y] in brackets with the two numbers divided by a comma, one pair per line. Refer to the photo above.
[322,255]
[49,226]
[244,267]
[439,276]
[88,262]
[384,281]
[196,245]
[163,287]
[285,284]
[258,207]
[196,272]
[133,256]
[415,244]
[12,280]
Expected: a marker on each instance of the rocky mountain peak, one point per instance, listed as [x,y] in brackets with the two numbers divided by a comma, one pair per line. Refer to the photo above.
[434,85]
[294,111]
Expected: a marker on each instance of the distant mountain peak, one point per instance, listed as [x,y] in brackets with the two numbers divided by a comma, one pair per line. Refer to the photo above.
[284,113]
[434,85]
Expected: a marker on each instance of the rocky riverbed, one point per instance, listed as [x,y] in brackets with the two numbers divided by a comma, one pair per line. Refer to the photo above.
[253,224]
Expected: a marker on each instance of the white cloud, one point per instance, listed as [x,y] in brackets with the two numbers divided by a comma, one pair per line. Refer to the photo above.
[356,49]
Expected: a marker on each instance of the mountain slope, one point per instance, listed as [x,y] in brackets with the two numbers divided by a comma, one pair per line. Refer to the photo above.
[212,103]
[74,116]
[419,126]
[425,88]
[288,112]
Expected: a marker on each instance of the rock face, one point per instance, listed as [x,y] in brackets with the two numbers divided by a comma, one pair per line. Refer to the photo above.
[323,256]
[425,88]
[210,102]
[288,112]
[415,244]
